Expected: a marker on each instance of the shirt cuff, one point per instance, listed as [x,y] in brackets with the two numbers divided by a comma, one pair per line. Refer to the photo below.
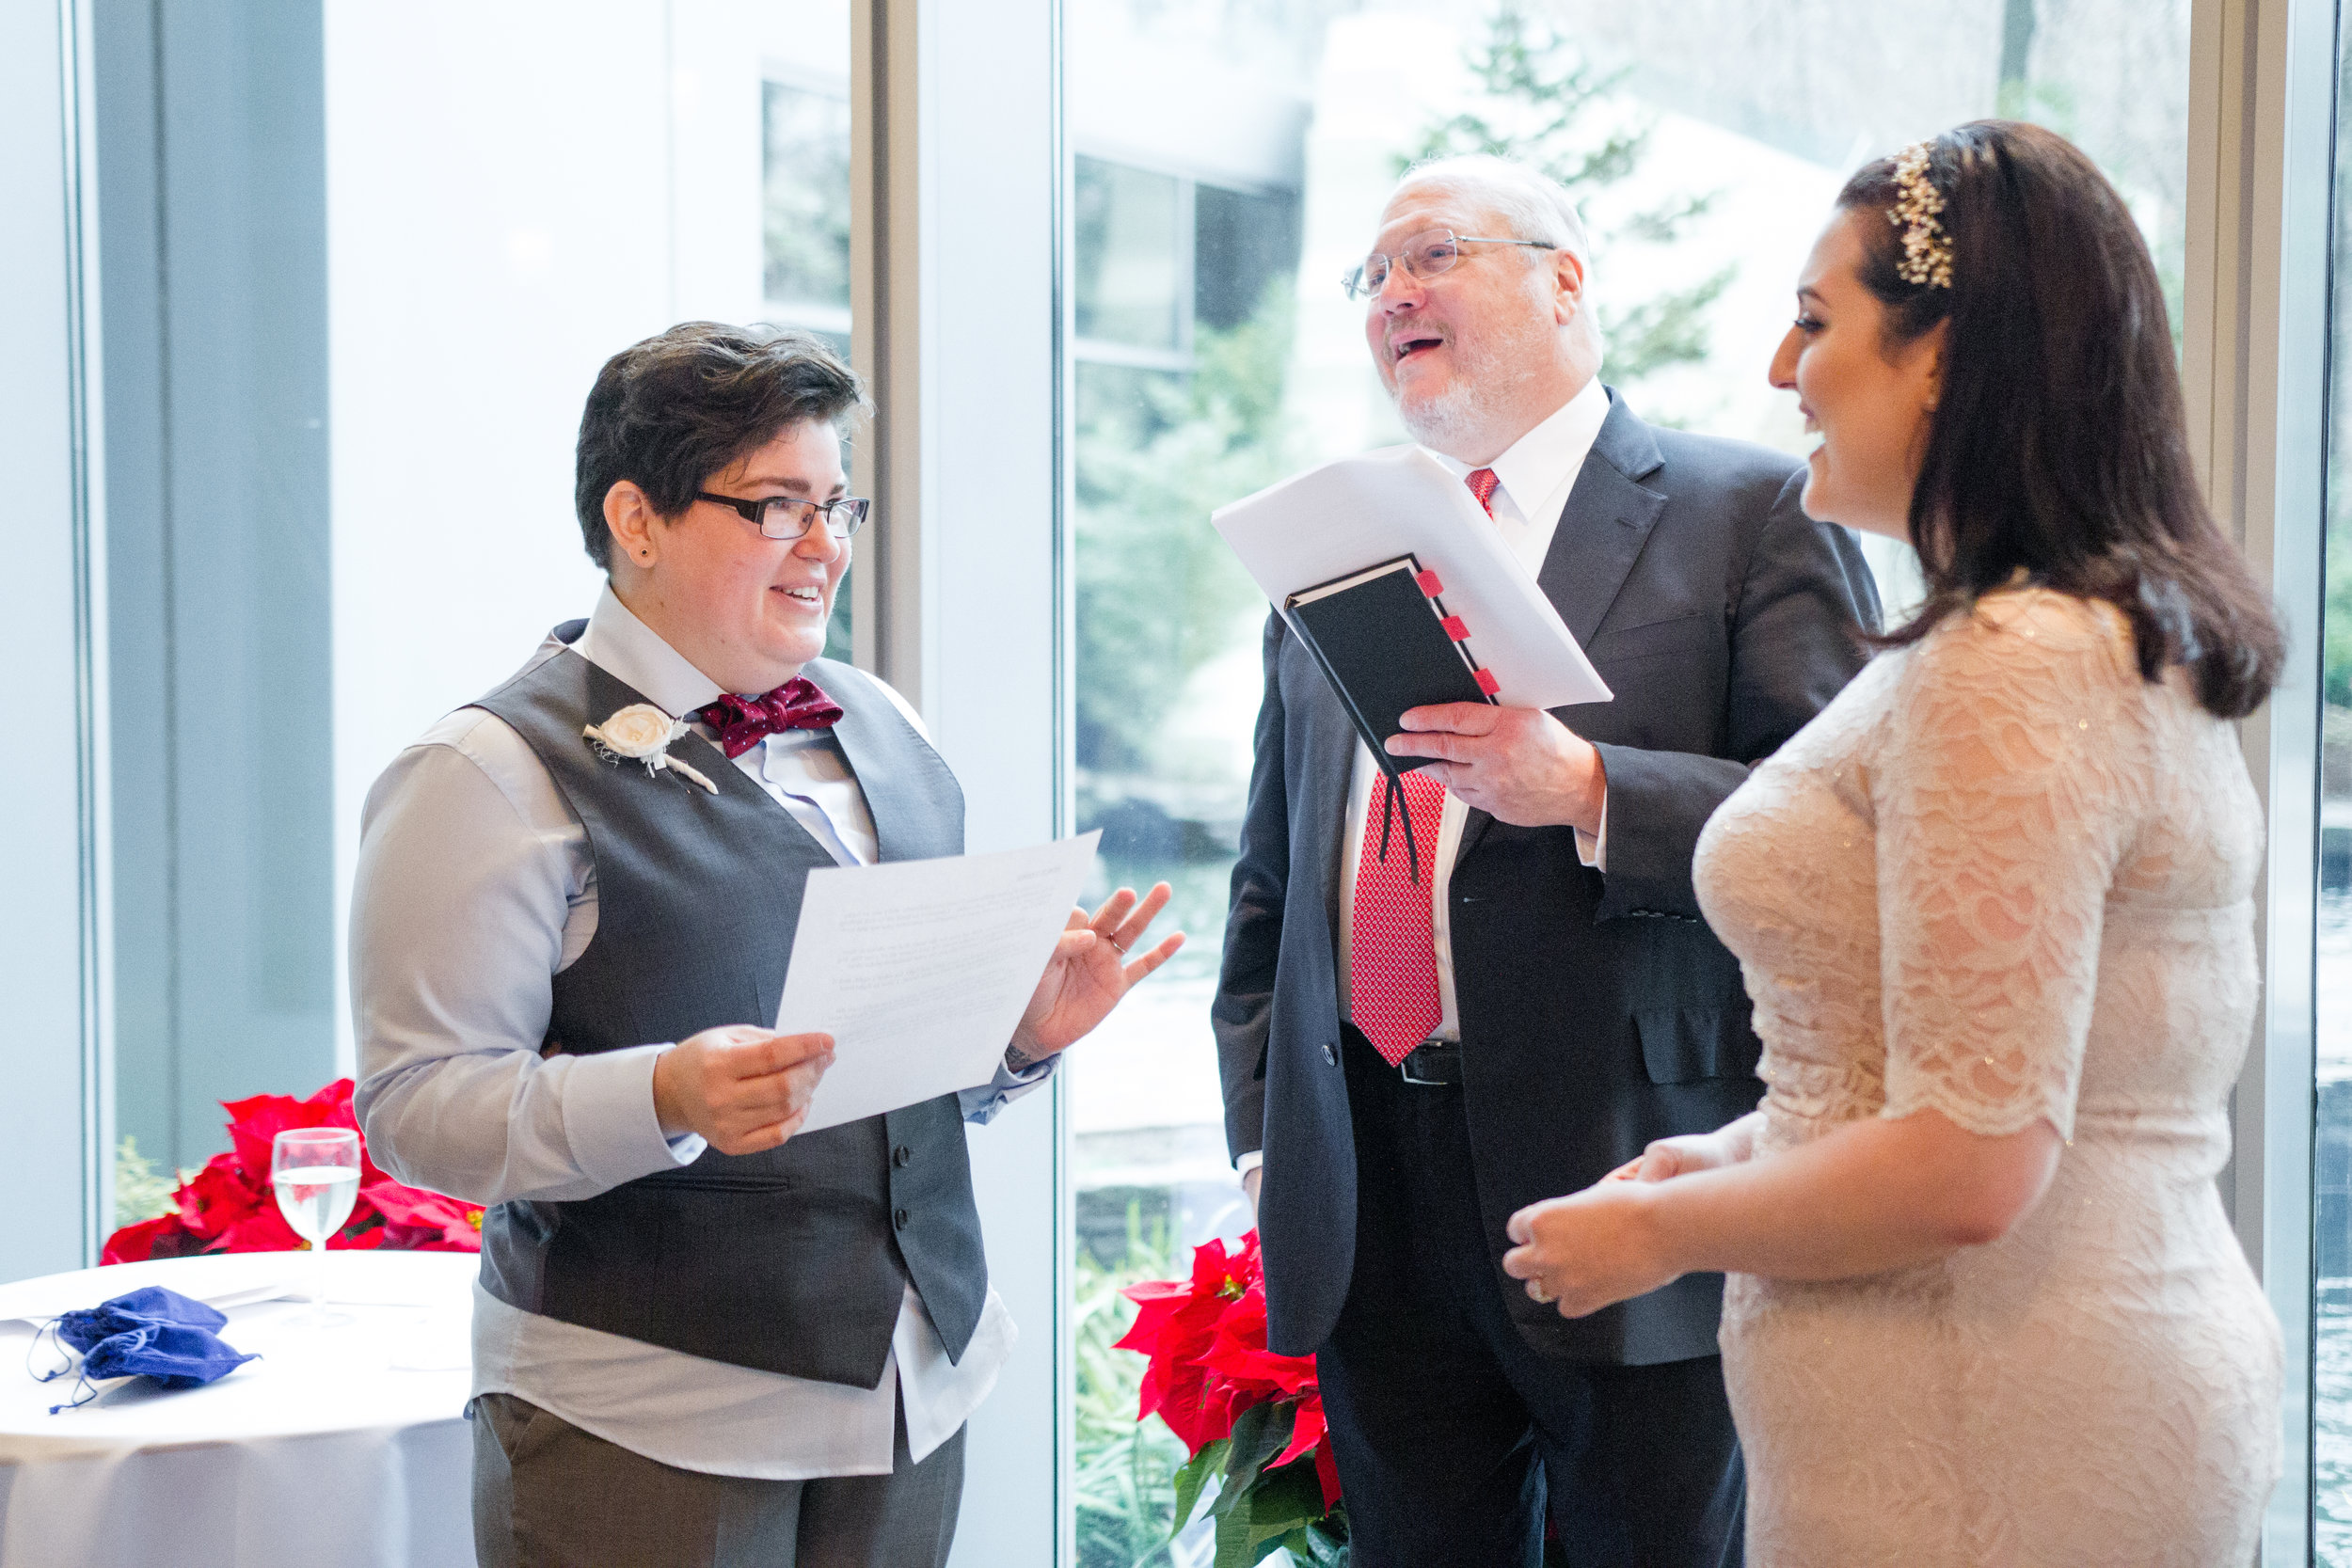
[982,1103]
[1593,849]
[1245,1163]
[609,1118]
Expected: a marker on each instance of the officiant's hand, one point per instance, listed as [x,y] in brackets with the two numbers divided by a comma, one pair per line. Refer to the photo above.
[1094,965]
[1590,1249]
[1519,765]
[742,1087]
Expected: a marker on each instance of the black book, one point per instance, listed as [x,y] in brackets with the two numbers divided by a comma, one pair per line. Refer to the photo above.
[1386,644]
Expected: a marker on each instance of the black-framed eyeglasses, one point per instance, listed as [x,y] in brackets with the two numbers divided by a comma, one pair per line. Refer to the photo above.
[1425,256]
[789,518]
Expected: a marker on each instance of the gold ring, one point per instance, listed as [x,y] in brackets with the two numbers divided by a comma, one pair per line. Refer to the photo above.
[1114,942]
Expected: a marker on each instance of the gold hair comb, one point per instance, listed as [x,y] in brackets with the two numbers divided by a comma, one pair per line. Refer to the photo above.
[1926,248]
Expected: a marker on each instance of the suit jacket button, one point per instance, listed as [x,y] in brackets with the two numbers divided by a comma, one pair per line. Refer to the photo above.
[901,1155]
[1331,1055]
[899,1219]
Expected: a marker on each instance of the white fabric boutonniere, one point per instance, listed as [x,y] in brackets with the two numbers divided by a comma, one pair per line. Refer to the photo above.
[641,733]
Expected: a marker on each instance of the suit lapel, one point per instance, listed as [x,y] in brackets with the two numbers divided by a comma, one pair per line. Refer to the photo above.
[1602,528]
[1605,524]
[1329,764]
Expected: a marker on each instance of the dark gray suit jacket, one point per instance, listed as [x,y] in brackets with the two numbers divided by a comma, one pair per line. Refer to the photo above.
[1597,1012]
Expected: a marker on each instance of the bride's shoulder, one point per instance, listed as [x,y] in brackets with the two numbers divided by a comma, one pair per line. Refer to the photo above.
[2030,633]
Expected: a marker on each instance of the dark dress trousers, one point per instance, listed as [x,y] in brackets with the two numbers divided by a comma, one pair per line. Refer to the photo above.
[1597,1012]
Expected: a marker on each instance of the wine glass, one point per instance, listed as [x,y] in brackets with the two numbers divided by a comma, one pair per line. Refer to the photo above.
[315,1171]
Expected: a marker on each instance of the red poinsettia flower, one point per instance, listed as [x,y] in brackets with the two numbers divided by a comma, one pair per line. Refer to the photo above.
[421,1221]
[1175,1328]
[254,1123]
[1206,1341]
[228,1207]
[1239,1355]
[221,1198]
[164,1236]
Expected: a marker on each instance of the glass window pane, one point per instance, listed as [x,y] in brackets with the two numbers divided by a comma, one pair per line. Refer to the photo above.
[805,231]
[1128,268]
[806,226]
[1704,140]
[248,423]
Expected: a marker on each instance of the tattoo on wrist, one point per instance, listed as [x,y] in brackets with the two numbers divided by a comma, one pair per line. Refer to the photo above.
[1020,1060]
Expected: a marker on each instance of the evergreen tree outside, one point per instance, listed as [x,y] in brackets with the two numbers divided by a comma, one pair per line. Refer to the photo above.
[1542,102]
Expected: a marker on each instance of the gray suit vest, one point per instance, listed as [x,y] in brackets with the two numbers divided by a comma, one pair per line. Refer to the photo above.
[792,1261]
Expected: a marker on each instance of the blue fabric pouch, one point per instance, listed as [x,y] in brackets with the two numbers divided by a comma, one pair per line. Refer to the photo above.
[173,1355]
[150,1332]
[133,1310]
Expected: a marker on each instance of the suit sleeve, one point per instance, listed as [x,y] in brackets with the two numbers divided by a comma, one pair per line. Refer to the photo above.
[1243,1011]
[1805,593]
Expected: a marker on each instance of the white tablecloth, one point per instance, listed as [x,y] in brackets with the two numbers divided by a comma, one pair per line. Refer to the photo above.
[342,1448]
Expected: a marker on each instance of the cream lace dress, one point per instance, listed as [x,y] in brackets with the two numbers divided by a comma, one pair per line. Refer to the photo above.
[2003,878]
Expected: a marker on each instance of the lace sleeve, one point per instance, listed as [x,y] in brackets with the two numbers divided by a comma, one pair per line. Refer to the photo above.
[2005,798]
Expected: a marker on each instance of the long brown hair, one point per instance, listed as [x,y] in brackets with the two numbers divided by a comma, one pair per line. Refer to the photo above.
[2058,444]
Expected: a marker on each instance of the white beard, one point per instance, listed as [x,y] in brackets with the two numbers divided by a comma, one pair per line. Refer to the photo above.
[1485,387]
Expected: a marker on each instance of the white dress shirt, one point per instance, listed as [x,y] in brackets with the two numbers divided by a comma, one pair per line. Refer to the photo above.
[476,886]
[1533,481]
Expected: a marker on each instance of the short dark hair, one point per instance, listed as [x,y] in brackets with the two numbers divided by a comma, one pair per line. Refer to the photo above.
[671,411]
[2058,444]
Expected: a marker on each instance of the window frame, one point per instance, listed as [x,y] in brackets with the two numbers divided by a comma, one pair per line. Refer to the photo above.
[56,1124]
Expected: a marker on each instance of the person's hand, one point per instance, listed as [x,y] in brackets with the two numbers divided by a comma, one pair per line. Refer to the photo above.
[1094,965]
[1252,1179]
[1590,1249]
[742,1087]
[1668,1158]
[1519,765]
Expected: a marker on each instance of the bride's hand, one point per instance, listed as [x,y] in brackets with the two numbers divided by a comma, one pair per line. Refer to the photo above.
[1672,1157]
[1590,1249]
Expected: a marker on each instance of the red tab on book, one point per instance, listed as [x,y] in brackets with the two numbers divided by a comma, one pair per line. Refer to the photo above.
[1427,583]
[1454,628]
[1487,681]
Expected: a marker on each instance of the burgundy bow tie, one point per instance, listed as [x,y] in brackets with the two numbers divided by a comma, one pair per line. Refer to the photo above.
[741,721]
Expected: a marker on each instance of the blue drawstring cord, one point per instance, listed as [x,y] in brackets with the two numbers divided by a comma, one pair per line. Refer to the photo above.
[82,1384]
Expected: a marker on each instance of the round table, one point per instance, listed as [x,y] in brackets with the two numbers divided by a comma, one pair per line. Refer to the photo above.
[346,1444]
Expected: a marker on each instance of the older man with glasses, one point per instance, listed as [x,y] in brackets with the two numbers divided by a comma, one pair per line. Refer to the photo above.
[1407,1060]
[701,1337]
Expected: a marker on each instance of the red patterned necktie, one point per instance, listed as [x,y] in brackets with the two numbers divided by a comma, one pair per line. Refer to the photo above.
[1482,482]
[741,722]
[1391,939]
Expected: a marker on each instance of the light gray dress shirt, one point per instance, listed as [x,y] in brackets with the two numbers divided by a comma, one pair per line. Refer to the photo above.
[476,887]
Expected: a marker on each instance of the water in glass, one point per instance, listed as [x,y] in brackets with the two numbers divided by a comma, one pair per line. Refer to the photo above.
[315,1171]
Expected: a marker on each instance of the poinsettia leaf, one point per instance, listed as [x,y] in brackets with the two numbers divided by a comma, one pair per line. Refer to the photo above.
[1235,1546]
[1284,1500]
[1258,1434]
[1194,1475]
[1327,1541]
[1296,1542]
[1263,1524]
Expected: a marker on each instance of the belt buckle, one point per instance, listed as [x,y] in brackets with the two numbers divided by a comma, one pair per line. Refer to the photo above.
[1405,1067]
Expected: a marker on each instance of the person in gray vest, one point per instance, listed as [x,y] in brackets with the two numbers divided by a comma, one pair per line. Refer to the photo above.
[698,1338]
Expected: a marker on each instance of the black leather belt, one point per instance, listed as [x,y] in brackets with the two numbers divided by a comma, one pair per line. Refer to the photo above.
[1434,1063]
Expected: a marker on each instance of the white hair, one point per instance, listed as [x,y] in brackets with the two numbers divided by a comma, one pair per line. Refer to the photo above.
[1532,206]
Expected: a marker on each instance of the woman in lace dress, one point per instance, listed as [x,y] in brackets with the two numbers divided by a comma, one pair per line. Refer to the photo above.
[1993,909]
